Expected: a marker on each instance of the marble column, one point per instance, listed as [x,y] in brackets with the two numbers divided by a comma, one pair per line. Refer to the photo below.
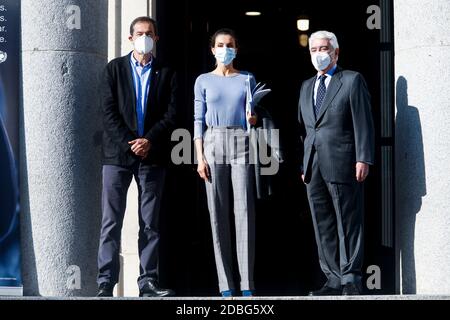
[64,49]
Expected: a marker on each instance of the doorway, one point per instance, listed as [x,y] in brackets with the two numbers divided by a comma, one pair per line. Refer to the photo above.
[286,255]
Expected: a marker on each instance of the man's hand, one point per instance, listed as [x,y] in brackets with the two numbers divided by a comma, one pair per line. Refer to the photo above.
[140,147]
[362,171]
[203,169]
[252,118]
[303,177]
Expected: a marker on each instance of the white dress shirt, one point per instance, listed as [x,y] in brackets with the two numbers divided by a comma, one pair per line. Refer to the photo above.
[328,75]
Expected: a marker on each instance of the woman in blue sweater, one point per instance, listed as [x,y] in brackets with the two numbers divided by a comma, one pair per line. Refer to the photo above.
[222,147]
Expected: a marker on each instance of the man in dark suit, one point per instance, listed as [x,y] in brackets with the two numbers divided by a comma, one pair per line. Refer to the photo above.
[338,147]
[139,98]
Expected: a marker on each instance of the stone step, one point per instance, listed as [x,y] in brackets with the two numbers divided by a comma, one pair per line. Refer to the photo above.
[278,298]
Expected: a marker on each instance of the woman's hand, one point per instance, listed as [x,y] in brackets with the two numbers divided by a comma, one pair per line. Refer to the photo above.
[203,169]
[252,118]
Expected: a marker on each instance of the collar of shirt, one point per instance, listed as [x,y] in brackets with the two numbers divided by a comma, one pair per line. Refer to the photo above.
[136,63]
[329,73]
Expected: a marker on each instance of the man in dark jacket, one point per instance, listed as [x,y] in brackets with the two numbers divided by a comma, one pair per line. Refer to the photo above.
[139,98]
[338,147]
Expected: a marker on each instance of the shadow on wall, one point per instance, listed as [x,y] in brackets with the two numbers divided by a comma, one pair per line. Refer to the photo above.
[410,182]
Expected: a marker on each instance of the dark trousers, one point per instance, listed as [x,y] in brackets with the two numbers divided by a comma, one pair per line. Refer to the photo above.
[337,214]
[116,181]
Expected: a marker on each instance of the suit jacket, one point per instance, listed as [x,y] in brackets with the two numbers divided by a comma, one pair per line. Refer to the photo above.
[118,100]
[343,132]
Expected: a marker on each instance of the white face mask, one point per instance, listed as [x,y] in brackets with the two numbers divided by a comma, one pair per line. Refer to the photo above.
[143,44]
[225,55]
[321,60]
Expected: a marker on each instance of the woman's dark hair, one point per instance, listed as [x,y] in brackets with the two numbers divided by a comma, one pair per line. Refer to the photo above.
[223,31]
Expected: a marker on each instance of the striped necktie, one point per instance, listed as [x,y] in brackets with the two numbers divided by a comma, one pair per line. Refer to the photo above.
[321,92]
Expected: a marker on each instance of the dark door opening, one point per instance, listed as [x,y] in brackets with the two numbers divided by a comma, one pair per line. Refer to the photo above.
[286,255]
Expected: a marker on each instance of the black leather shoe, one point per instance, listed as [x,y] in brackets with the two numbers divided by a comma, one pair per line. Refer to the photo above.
[105,289]
[152,289]
[326,291]
[351,289]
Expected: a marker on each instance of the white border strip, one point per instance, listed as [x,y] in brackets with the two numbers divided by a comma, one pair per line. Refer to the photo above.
[11,291]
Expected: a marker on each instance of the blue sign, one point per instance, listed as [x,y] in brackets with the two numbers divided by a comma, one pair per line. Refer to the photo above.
[10,273]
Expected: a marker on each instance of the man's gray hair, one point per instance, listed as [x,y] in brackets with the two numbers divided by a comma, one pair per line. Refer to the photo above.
[325,35]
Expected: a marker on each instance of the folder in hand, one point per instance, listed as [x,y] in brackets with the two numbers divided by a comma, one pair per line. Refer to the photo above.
[253,97]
